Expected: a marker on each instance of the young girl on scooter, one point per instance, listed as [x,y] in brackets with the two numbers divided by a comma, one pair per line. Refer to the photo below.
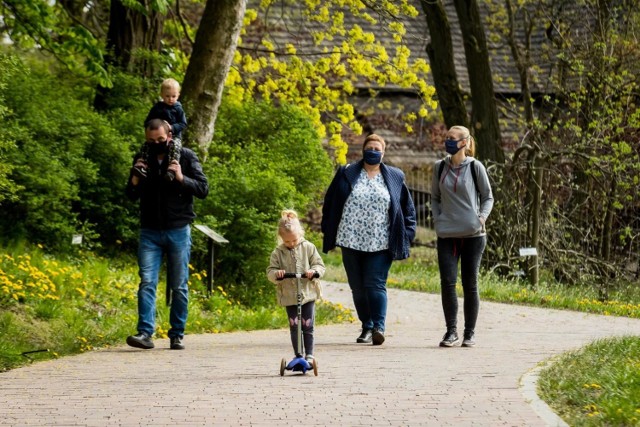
[294,254]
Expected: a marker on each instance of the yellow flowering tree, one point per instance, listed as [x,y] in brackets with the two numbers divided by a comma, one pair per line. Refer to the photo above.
[316,54]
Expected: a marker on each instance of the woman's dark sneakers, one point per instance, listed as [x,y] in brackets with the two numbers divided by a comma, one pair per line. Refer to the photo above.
[468,340]
[140,341]
[377,336]
[365,337]
[450,339]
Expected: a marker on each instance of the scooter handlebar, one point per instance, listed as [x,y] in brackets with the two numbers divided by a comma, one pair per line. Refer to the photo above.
[297,275]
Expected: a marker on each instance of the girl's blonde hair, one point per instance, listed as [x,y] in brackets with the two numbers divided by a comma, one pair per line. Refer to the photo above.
[470,148]
[289,222]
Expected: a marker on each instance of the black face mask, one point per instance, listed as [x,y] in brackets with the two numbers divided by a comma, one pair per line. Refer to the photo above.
[156,149]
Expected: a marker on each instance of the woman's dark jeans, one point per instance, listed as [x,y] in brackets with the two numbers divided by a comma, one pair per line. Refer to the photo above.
[469,252]
[367,273]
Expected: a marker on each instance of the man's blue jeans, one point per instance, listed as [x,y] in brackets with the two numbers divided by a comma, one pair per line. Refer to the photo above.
[154,244]
[367,273]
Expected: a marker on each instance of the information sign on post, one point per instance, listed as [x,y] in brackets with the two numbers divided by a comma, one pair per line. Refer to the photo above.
[531,252]
[528,252]
[213,238]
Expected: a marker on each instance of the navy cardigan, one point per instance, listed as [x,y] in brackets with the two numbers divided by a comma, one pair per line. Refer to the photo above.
[402,213]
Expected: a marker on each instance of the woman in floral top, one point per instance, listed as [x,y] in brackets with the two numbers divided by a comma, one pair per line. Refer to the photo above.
[368,212]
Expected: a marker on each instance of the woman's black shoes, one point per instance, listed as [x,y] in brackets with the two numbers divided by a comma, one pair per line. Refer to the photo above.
[450,339]
[369,336]
[365,337]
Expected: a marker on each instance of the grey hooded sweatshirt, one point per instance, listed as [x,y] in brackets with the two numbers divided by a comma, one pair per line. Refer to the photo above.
[454,199]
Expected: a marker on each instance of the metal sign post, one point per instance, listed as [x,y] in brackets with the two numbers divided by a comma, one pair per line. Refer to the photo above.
[531,252]
[213,238]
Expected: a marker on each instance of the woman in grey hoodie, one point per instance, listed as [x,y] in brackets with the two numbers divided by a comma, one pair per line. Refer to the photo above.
[461,203]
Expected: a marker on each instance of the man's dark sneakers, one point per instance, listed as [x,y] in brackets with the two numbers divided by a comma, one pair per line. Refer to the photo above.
[450,339]
[365,336]
[140,341]
[377,336]
[468,340]
[176,343]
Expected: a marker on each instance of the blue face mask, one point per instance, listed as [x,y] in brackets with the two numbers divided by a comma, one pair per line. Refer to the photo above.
[372,157]
[451,146]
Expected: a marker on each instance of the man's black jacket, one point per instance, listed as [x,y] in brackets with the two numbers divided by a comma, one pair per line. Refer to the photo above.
[169,204]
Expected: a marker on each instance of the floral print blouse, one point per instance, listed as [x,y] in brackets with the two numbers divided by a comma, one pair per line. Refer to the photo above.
[365,219]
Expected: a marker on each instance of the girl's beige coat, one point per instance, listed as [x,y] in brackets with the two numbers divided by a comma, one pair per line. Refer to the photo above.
[300,259]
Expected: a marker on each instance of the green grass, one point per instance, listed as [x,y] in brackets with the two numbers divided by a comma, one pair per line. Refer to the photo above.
[598,385]
[52,306]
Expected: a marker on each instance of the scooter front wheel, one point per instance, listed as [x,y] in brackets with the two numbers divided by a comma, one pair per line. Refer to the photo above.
[314,363]
[283,365]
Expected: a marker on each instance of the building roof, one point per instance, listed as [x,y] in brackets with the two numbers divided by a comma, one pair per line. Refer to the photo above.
[287,25]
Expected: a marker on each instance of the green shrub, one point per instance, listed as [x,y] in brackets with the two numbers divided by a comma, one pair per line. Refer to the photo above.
[70,163]
[264,159]
[9,68]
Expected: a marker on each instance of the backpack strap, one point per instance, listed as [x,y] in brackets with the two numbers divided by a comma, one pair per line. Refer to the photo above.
[474,175]
[440,169]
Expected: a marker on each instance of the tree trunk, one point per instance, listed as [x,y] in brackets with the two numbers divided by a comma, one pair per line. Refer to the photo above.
[484,117]
[130,30]
[522,58]
[440,51]
[213,51]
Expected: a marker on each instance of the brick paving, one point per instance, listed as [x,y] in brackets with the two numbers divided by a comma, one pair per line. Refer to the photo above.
[233,379]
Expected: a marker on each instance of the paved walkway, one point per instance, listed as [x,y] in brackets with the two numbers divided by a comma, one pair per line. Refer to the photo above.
[233,379]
